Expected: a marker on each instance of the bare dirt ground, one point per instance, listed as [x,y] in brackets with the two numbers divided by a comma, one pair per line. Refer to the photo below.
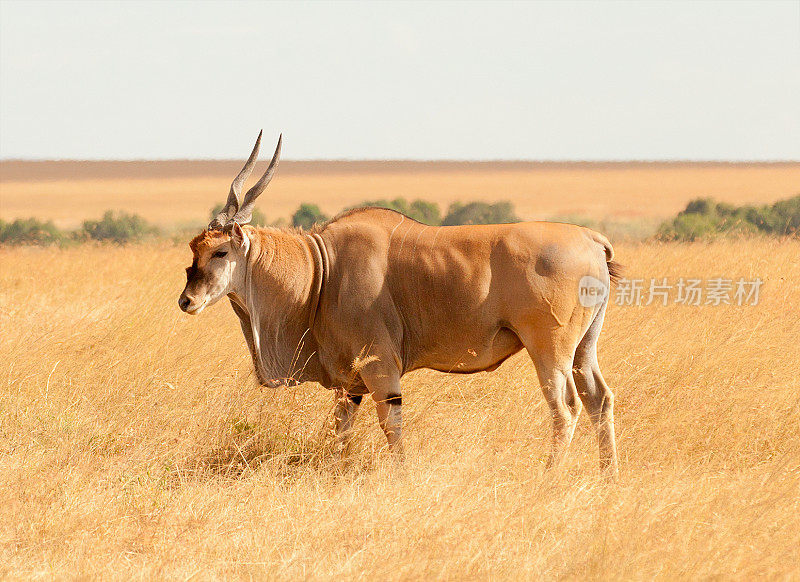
[183,192]
[134,443]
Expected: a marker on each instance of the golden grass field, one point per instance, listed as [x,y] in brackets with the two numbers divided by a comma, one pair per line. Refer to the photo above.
[134,443]
[183,192]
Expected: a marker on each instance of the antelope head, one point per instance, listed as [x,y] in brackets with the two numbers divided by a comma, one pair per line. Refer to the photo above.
[219,261]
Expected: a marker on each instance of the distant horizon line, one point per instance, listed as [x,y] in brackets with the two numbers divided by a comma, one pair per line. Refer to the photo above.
[424,160]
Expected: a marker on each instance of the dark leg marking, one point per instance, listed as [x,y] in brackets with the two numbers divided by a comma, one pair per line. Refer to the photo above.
[397,399]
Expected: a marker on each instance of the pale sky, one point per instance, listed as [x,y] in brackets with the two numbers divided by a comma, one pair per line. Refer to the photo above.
[535,81]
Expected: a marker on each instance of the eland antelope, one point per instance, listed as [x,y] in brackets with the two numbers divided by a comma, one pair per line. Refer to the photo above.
[356,303]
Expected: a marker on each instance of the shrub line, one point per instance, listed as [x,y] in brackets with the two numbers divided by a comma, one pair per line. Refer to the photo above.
[702,219]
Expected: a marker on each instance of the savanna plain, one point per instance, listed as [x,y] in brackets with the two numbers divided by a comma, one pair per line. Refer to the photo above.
[135,444]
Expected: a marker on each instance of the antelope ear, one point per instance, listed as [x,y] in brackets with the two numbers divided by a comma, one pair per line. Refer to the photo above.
[239,238]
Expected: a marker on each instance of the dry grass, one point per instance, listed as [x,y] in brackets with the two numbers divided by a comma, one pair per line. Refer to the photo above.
[184,192]
[134,444]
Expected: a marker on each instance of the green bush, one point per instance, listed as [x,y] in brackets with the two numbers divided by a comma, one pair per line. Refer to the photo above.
[307,215]
[121,228]
[420,210]
[785,216]
[258,218]
[425,212]
[30,231]
[480,213]
[704,218]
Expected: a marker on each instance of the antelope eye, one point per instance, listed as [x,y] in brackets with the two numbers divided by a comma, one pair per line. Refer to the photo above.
[219,254]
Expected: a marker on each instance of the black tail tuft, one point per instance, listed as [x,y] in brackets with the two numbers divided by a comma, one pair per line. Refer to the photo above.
[615,271]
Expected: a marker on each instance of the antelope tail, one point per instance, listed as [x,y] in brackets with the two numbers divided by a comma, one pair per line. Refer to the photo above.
[614,268]
[615,271]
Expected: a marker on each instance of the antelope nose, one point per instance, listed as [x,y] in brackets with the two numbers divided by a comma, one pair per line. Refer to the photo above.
[184,302]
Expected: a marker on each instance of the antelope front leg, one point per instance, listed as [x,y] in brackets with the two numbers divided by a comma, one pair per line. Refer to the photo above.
[384,385]
[344,415]
[390,417]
